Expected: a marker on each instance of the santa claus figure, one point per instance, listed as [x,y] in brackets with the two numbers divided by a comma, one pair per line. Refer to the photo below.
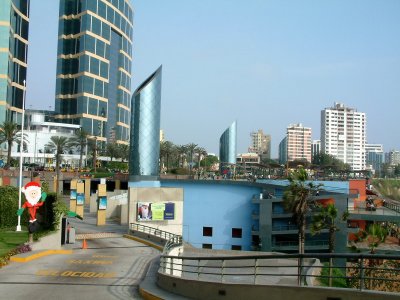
[34,199]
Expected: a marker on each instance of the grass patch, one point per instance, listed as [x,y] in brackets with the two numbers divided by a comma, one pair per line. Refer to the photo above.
[339,278]
[10,240]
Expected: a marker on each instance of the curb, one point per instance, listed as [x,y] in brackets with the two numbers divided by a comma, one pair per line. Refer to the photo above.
[158,247]
[39,255]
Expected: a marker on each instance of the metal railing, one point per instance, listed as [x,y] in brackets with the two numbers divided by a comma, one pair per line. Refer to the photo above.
[355,271]
[155,232]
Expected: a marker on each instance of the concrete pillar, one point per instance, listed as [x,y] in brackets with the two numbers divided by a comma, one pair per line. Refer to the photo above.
[117,184]
[101,204]
[80,198]
[87,191]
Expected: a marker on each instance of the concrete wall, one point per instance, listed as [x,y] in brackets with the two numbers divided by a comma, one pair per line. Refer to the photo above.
[154,195]
[195,289]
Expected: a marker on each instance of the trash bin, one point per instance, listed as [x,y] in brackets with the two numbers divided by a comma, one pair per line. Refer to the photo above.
[71,236]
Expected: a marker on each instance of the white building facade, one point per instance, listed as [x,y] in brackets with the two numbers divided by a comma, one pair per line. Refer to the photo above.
[343,135]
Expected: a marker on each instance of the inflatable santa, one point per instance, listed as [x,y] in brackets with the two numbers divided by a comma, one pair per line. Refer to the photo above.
[34,199]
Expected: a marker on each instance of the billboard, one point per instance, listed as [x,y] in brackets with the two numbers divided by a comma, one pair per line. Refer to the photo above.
[156,211]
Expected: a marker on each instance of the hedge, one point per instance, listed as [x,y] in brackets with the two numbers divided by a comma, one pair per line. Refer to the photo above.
[9,207]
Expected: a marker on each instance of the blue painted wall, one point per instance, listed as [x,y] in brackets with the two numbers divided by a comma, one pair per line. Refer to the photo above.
[219,205]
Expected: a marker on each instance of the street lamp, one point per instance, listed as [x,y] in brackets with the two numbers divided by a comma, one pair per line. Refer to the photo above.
[21,148]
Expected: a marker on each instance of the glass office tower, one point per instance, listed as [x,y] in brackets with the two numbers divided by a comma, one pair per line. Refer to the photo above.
[14,25]
[145,130]
[94,67]
[227,147]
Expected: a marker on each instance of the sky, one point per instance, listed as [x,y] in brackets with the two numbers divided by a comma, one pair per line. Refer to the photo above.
[265,64]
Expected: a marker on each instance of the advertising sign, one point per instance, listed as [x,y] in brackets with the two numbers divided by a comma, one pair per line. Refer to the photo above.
[156,211]
[80,198]
[73,195]
[103,202]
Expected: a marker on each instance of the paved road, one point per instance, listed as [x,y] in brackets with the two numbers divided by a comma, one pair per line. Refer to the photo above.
[111,268]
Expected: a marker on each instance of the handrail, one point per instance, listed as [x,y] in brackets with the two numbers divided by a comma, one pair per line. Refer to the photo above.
[168,236]
[358,271]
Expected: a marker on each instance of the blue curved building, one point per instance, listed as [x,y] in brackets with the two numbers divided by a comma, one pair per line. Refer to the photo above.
[145,130]
[227,147]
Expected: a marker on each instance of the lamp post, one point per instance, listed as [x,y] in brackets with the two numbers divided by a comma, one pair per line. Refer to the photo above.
[21,148]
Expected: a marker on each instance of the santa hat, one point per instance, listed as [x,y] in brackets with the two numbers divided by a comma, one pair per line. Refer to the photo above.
[31,184]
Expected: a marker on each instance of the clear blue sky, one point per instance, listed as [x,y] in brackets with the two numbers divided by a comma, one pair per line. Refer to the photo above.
[266,64]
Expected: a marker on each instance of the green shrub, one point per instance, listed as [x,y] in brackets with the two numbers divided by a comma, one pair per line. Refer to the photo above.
[340,281]
[180,171]
[9,207]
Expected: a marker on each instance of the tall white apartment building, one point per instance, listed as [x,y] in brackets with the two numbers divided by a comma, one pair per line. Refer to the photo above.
[343,135]
[298,142]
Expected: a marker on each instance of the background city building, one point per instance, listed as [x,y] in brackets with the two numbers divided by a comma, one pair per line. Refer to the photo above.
[315,148]
[94,61]
[260,144]
[145,130]
[228,146]
[392,157]
[283,151]
[298,142]
[343,135]
[14,26]
[374,157]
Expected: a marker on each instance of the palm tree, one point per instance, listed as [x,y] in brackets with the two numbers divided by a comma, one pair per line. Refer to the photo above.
[80,141]
[326,219]
[166,150]
[201,152]
[92,145]
[191,148]
[298,200]
[60,144]
[181,151]
[10,132]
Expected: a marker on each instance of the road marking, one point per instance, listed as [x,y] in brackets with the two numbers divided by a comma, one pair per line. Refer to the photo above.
[103,256]
[90,262]
[79,274]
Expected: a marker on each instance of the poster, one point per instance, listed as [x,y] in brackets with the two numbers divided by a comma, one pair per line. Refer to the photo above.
[156,211]
[144,211]
[73,195]
[80,198]
[103,202]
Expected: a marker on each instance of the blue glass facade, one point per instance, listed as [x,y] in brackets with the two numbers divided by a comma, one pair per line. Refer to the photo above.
[14,25]
[145,129]
[94,67]
[227,146]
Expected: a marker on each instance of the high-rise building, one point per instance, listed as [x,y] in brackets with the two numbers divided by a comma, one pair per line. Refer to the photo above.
[374,156]
[260,143]
[145,131]
[14,25]
[283,151]
[298,142]
[343,135]
[393,157]
[315,148]
[94,67]
[227,146]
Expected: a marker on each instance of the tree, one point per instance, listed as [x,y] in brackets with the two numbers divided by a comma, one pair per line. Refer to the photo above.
[123,152]
[79,140]
[60,144]
[166,150]
[209,161]
[298,199]
[92,145]
[10,132]
[181,151]
[191,148]
[201,152]
[112,150]
[326,219]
